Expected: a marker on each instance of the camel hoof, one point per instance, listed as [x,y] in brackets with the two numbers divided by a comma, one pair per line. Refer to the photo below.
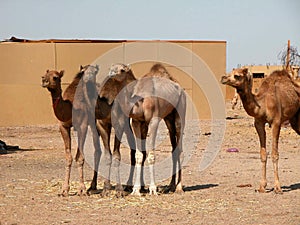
[136,191]
[82,193]
[128,188]
[179,191]
[64,193]
[93,191]
[261,190]
[120,194]
[120,191]
[152,190]
[93,187]
[105,192]
[278,190]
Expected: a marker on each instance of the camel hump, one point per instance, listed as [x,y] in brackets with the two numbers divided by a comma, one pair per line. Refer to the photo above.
[280,74]
[158,70]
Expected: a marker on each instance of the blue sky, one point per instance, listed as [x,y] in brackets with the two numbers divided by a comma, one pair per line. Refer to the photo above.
[255,31]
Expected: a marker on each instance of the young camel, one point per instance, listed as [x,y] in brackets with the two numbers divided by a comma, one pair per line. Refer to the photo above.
[277,101]
[149,100]
[62,106]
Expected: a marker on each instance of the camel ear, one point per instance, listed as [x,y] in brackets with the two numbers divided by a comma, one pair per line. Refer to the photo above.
[245,71]
[128,67]
[61,73]
[97,67]
[81,67]
[47,71]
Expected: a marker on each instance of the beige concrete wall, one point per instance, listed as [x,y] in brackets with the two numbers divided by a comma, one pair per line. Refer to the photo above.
[25,102]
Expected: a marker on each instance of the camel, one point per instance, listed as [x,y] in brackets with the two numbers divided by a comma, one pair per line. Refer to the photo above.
[102,106]
[236,101]
[62,106]
[154,97]
[277,101]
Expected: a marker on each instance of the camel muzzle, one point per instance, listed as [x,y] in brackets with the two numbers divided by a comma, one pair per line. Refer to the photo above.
[45,83]
[224,80]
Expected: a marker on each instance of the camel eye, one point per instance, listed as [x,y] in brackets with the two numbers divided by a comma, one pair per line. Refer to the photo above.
[122,71]
[55,78]
[237,77]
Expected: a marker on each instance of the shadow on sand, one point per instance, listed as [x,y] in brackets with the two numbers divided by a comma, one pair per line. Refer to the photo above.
[199,187]
[292,187]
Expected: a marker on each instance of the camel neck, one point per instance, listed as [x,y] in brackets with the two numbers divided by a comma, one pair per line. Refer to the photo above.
[62,109]
[55,93]
[249,100]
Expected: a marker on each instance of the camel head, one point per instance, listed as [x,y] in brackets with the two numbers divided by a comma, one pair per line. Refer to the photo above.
[238,78]
[119,71]
[52,79]
[89,73]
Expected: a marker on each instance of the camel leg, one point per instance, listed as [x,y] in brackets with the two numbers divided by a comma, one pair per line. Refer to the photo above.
[260,128]
[179,124]
[79,158]
[105,131]
[275,156]
[66,135]
[97,156]
[170,123]
[153,126]
[138,126]
[295,122]
[116,158]
[131,142]
[234,100]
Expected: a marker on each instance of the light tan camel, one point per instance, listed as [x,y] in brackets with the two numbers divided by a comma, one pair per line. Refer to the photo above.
[277,101]
[152,98]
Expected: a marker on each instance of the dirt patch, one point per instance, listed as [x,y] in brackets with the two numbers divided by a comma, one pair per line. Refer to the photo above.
[31,179]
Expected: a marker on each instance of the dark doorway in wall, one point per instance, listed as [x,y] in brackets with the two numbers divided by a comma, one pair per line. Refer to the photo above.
[258,75]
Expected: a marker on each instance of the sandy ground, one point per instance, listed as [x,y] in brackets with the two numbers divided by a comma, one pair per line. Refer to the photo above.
[224,193]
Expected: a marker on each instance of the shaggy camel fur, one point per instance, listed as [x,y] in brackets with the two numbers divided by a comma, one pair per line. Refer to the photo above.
[152,98]
[277,101]
[62,106]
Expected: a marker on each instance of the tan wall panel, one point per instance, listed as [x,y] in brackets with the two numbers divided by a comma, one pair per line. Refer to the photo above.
[201,103]
[25,63]
[71,55]
[168,53]
[140,52]
[24,105]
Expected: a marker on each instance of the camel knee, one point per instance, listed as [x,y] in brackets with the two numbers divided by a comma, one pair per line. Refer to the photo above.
[151,157]
[263,155]
[69,160]
[79,158]
[275,157]
[139,157]
[116,159]
[80,161]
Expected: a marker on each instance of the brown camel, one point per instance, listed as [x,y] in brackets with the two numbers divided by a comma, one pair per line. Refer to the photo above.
[149,100]
[62,106]
[100,99]
[277,101]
